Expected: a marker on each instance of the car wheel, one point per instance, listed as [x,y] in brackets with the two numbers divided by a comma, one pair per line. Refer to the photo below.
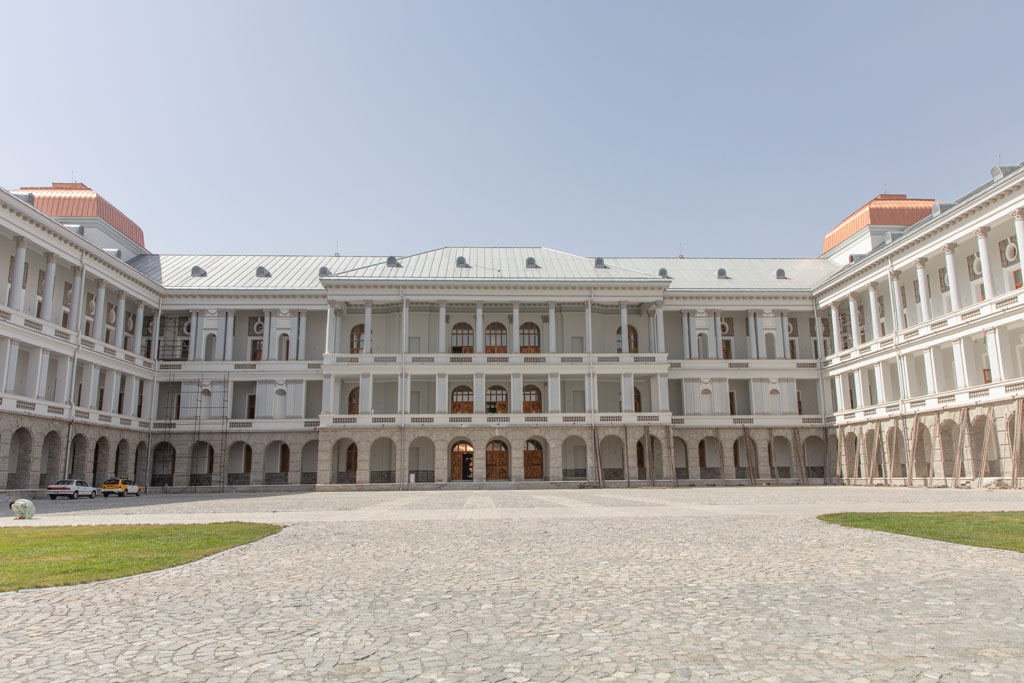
[53,497]
[74,494]
[138,492]
[93,494]
[120,494]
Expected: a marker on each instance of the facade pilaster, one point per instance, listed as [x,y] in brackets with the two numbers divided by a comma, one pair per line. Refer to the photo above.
[99,316]
[922,288]
[951,276]
[118,339]
[49,278]
[16,295]
[876,324]
[987,275]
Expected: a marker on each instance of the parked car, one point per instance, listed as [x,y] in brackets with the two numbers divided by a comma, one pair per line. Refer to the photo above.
[121,487]
[72,488]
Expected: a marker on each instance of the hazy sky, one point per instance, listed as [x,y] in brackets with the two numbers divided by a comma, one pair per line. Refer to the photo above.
[600,128]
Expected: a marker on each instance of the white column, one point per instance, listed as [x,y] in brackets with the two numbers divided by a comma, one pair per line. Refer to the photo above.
[367,327]
[407,394]
[75,310]
[293,336]
[441,403]
[555,393]
[987,276]
[552,330]
[118,340]
[590,393]
[332,328]
[627,392]
[517,394]
[365,394]
[43,379]
[922,288]
[400,398]
[1018,230]
[837,337]
[959,364]
[64,379]
[154,344]
[405,327]
[894,297]
[87,377]
[478,393]
[716,335]
[99,317]
[929,371]
[662,393]
[514,332]
[691,324]
[782,334]
[11,365]
[685,321]
[195,337]
[300,339]
[876,324]
[995,354]
[624,326]
[880,383]
[588,328]
[751,336]
[954,283]
[16,295]
[651,332]
[442,329]
[229,335]
[857,393]
[46,310]
[267,351]
[659,321]
[140,317]
[110,390]
[854,321]
[33,371]
[478,336]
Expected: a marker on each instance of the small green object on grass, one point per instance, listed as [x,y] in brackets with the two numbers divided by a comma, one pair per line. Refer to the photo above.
[63,555]
[1001,530]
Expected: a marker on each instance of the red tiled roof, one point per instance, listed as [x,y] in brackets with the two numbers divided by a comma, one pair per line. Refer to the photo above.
[885,209]
[76,200]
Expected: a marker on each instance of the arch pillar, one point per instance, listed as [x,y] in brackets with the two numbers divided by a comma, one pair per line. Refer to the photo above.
[554,458]
[324,458]
[516,453]
[764,470]
[294,462]
[692,455]
[442,460]
[630,438]
[363,445]
[480,459]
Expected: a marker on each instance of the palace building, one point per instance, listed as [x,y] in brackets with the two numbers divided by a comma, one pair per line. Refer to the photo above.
[895,357]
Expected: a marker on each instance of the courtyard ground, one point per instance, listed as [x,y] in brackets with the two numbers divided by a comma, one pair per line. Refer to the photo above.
[716,583]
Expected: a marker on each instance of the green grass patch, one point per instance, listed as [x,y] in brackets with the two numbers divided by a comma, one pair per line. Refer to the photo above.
[1002,530]
[61,556]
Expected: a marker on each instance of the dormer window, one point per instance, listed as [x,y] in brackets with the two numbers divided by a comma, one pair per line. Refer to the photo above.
[461,262]
[722,274]
[531,262]
[261,271]
[599,262]
[393,262]
[325,271]
[663,272]
[780,274]
[198,272]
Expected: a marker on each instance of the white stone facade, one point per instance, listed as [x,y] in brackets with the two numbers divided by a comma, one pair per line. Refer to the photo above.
[474,366]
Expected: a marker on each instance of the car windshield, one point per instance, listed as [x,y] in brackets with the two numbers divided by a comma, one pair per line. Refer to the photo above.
[64,482]
[112,481]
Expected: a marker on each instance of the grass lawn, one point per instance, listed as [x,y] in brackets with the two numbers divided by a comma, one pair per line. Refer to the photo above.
[1002,530]
[60,556]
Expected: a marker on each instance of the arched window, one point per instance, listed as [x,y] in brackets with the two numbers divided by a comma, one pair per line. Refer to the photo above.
[634,343]
[351,457]
[495,338]
[462,338]
[496,400]
[532,399]
[356,339]
[284,345]
[637,403]
[529,338]
[462,399]
[353,402]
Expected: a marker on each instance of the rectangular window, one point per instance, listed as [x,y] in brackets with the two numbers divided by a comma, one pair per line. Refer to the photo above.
[727,349]
[799,404]
[256,349]
[250,407]
[792,348]
[732,402]
[177,406]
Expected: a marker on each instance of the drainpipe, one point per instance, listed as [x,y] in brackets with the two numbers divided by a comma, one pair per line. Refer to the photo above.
[74,368]
[403,344]
[156,387]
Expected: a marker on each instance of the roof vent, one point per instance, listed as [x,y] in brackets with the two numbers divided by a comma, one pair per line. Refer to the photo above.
[261,271]
[325,271]
[938,207]
[461,262]
[393,262]
[1000,172]
[26,197]
[599,262]
[722,274]
[198,272]
[663,272]
[780,274]
[531,262]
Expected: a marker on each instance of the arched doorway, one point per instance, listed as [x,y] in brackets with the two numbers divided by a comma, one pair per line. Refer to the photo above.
[814,454]
[141,462]
[497,461]
[20,459]
[532,402]
[201,472]
[641,461]
[682,463]
[79,454]
[533,460]
[239,464]
[50,459]
[310,458]
[744,458]
[421,460]
[949,441]
[461,468]
[780,455]
[613,461]
[100,461]
[574,458]
[634,343]
[163,465]
[894,439]
[496,400]
[852,458]
[122,460]
[346,461]
[984,448]
[923,453]
[277,463]
[382,461]
[353,402]
[462,400]
[709,458]
[495,338]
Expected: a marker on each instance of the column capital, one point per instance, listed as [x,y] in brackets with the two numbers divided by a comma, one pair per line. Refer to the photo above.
[121,296]
[983,231]
[100,282]
[1018,214]
[20,241]
[834,306]
[894,274]
[949,248]
[873,286]
[853,297]
[921,262]
[50,258]
[76,271]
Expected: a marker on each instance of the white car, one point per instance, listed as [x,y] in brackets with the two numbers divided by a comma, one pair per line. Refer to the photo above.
[72,488]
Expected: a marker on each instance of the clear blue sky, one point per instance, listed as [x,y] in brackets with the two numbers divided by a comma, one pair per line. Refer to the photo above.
[600,128]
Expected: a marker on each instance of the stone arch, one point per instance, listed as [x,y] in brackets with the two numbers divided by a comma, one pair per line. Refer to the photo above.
[979,430]
[123,467]
[383,461]
[421,460]
[744,458]
[79,457]
[613,461]
[709,457]
[852,456]
[769,346]
[164,458]
[898,451]
[574,458]
[345,456]
[201,462]
[284,346]
[815,457]
[498,455]
[50,459]
[923,453]
[949,440]
[780,458]
[310,458]
[239,463]
[19,459]
[100,461]
[461,460]
[210,346]
[535,458]
[682,462]
[141,463]
[277,463]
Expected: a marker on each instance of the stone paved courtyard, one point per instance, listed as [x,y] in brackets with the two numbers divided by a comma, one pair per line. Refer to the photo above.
[737,584]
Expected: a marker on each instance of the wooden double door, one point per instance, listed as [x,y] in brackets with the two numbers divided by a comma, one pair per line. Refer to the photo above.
[497,461]
[533,464]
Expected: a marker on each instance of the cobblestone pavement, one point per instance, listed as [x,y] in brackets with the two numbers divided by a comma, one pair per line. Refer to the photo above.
[719,584]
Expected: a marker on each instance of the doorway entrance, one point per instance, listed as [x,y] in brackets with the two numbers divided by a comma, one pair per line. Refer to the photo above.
[461,468]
